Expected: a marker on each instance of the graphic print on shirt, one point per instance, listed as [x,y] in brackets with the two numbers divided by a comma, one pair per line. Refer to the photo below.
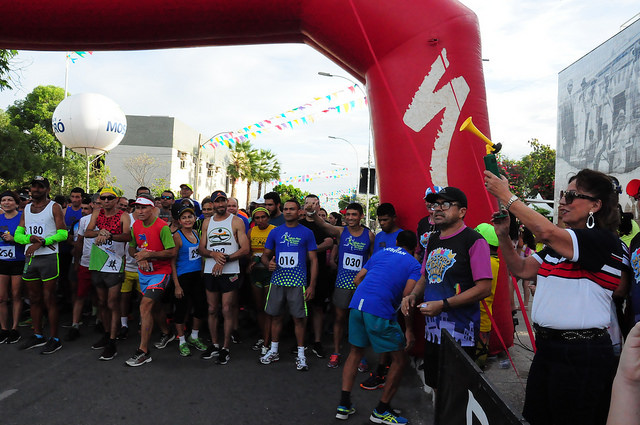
[439,261]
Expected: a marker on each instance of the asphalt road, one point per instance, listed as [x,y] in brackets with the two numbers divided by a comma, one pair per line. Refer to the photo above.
[72,386]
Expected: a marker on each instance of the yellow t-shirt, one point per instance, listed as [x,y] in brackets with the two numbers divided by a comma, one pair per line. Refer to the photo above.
[485,322]
[259,238]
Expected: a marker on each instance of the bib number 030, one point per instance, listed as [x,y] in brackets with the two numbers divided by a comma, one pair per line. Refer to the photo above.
[352,262]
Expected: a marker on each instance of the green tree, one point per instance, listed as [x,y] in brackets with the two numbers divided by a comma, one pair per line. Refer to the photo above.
[5,68]
[374,201]
[268,168]
[239,165]
[534,173]
[288,191]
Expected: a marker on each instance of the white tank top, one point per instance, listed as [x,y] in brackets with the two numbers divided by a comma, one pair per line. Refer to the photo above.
[41,224]
[220,238]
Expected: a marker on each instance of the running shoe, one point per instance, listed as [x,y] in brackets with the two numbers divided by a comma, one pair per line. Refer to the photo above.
[373,382]
[301,364]
[164,340]
[101,343]
[334,361]
[109,352]
[264,350]
[318,350]
[223,357]
[211,352]
[270,357]
[123,333]
[139,358]
[26,322]
[4,335]
[196,343]
[184,349]
[363,366]
[258,345]
[32,342]
[386,418]
[344,412]
[14,336]
[51,346]
[72,334]
[235,337]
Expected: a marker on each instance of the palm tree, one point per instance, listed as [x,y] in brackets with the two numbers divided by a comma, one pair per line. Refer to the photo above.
[251,174]
[239,165]
[268,168]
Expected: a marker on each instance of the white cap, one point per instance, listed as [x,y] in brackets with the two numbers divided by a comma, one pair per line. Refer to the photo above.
[144,201]
[260,201]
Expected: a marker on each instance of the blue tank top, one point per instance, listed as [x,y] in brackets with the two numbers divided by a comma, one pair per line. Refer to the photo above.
[10,251]
[71,217]
[188,259]
[353,252]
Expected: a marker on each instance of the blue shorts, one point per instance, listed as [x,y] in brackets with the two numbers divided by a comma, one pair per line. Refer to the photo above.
[383,335]
[153,285]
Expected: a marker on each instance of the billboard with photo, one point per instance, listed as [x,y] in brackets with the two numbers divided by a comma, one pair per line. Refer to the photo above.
[599,111]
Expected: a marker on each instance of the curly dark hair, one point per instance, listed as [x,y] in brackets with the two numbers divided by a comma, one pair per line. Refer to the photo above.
[600,186]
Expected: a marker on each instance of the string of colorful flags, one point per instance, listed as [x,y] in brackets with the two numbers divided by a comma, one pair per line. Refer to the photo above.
[74,56]
[336,193]
[325,174]
[301,115]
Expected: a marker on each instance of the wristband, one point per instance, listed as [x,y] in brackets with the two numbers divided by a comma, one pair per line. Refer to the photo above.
[445,305]
[513,199]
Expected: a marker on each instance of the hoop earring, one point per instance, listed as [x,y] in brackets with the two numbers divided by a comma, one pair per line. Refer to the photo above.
[591,221]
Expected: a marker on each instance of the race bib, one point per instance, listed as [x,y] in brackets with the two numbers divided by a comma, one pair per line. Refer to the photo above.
[217,249]
[288,259]
[7,252]
[193,253]
[352,262]
[35,230]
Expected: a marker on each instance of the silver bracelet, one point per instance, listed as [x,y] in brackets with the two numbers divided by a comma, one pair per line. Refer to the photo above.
[513,199]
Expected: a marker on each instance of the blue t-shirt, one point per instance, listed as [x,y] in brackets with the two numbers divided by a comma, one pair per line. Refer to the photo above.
[277,221]
[381,290]
[10,251]
[290,245]
[353,252]
[385,240]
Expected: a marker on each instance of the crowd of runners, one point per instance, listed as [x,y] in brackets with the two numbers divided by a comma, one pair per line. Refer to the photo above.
[187,266]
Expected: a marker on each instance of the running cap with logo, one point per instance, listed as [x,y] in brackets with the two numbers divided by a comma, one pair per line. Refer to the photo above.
[432,189]
[110,190]
[186,208]
[187,185]
[218,194]
[145,199]
[42,181]
[449,193]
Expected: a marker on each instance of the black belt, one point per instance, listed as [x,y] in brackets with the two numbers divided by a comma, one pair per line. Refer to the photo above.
[568,334]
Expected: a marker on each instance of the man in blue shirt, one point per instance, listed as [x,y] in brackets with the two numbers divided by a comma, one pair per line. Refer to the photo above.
[381,284]
[387,219]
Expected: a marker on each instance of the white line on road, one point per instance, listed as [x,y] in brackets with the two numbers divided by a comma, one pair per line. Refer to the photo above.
[7,394]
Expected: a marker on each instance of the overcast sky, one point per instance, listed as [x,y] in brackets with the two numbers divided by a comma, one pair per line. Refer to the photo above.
[226,88]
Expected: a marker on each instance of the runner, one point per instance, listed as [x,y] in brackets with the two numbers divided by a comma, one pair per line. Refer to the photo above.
[272,203]
[152,246]
[41,228]
[224,241]
[384,279]
[166,201]
[186,191]
[286,248]
[232,207]
[260,275]
[11,265]
[130,286]
[72,213]
[355,243]
[107,265]
[186,270]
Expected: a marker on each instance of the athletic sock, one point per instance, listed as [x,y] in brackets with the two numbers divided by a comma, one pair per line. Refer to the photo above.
[345,399]
[301,351]
[194,333]
[124,321]
[75,325]
[382,407]
[274,347]
[182,339]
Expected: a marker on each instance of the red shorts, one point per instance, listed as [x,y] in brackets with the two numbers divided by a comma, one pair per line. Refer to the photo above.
[84,281]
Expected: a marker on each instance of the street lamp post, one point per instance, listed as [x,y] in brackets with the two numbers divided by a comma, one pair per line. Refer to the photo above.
[357,162]
[355,84]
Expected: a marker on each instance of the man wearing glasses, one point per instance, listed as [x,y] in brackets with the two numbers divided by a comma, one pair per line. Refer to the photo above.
[456,276]
[111,228]
[166,201]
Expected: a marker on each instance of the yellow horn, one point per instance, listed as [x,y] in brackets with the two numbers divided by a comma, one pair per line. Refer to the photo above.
[467,125]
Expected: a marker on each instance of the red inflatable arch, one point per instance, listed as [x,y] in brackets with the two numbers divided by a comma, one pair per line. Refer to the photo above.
[420,60]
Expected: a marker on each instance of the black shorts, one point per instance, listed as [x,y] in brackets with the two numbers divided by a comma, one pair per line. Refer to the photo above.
[223,283]
[11,268]
[106,280]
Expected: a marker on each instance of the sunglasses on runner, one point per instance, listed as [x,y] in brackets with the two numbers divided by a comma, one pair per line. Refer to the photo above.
[570,195]
[166,197]
[107,198]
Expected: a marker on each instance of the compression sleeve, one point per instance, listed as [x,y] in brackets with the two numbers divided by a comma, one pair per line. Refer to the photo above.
[20,236]
[60,236]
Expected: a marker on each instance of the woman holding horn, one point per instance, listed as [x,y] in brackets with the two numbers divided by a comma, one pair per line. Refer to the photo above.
[578,272]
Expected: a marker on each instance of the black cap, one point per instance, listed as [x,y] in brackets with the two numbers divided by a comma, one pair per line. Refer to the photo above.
[42,181]
[449,194]
[218,194]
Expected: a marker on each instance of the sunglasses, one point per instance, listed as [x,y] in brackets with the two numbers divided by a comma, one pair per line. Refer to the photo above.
[570,195]
[107,198]
[166,197]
